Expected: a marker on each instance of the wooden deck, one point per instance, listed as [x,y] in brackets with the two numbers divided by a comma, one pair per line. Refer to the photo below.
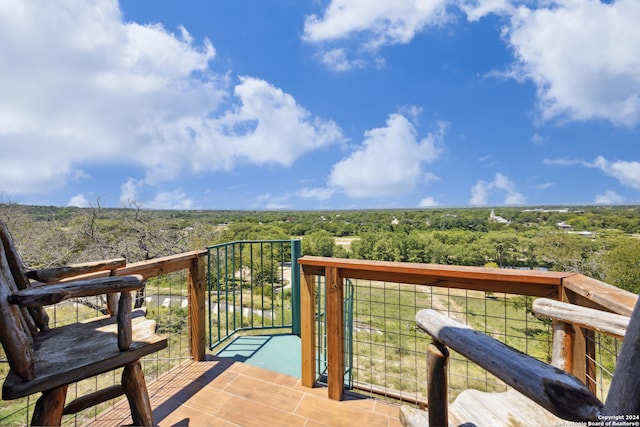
[226,393]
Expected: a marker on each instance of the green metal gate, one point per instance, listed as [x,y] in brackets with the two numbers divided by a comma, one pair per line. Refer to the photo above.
[253,285]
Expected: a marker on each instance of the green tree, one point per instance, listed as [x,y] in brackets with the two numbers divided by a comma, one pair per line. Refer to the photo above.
[503,247]
[622,265]
[251,231]
[570,252]
[386,248]
[319,243]
[363,247]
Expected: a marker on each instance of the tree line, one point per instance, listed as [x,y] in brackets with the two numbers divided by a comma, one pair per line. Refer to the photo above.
[531,238]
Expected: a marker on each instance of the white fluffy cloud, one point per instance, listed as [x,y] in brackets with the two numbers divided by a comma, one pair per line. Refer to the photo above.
[130,191]
[428,202]
[337,59]
[483,190]
[372,24]
[609,198]
[81,87]
[77,81]
[476,9]
[627,173]
[316,193]
[386,22]
[79,201]
[583,57]
[268,126]
[390,161]
[176,199]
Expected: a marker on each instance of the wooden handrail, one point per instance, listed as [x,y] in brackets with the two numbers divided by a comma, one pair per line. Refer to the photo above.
[542,383]
[595,320]
[593,293]
[154,267]
[54,274]
[194,263]
[528,282]
[564,286]
[162,265]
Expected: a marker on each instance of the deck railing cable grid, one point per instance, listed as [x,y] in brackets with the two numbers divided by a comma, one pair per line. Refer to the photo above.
[165,299]
[320,342]
[388,352]
[601,365]
[249,288]
[505,317]
[321,349]
[15,412]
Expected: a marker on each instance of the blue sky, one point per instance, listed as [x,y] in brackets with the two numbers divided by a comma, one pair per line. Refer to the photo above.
[322,104]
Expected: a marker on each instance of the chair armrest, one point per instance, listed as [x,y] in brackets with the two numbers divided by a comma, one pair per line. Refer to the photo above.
[55,274]
[53,294]
[555,390]
[589,318]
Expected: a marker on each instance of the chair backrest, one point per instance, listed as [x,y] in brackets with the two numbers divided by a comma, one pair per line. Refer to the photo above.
[624,394]
[16,324]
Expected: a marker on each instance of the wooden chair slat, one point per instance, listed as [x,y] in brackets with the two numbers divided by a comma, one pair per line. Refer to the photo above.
[37,315]
[15,337]
[56,274]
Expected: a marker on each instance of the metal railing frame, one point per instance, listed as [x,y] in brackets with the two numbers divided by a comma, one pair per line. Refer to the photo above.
[222,262]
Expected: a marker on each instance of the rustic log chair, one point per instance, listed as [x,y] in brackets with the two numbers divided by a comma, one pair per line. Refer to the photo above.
[47,360]
[541,394]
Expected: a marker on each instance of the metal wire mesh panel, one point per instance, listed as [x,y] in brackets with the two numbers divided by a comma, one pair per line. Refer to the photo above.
[388,352]
[601,362]
[251,287]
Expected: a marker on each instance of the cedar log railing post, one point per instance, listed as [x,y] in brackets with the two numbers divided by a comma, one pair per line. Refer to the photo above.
[561,352]
[308,329]
[196,290]
[335,333]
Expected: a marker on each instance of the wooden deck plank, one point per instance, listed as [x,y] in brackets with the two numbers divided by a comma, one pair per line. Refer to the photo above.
[339,413]
[222,393]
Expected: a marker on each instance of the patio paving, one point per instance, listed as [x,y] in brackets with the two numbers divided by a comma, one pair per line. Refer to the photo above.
[224,392]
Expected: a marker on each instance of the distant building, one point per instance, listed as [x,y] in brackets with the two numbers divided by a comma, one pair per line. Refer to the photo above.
[564,226]
[563,210]
[585,233]
[495,218]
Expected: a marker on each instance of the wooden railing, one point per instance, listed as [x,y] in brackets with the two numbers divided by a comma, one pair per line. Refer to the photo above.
[575,347]
[188,271]
[194,263]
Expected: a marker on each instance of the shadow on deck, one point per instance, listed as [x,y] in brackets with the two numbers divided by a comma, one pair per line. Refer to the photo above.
[224,392]
[278,353]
